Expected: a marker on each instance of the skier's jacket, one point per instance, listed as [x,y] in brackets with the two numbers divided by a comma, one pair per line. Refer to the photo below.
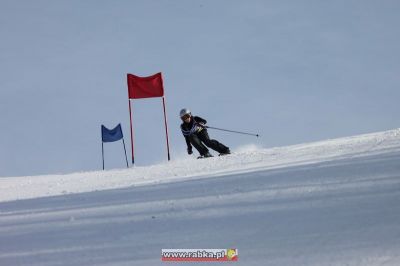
[193,127]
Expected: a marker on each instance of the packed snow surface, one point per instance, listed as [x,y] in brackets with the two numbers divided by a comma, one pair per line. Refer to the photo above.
[333,202]
[247,159]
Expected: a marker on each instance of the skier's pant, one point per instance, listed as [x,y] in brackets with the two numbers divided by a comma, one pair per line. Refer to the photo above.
[202,136]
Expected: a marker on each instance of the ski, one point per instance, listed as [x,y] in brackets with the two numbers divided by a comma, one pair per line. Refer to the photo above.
[204,157]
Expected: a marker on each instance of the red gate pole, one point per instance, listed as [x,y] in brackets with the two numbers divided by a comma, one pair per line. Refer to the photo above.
[166,128]
[130,115]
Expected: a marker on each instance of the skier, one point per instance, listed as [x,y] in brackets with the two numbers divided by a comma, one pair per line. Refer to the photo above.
[195,133]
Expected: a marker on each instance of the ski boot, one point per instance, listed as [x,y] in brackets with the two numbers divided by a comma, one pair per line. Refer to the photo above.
[225,153]
[206,155]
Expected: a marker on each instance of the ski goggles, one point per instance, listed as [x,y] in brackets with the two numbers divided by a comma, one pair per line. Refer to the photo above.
[186,116]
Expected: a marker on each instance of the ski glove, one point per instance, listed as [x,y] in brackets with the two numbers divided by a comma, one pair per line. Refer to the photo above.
[189,150]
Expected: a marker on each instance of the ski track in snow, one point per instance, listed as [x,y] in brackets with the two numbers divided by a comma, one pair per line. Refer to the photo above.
[332,202]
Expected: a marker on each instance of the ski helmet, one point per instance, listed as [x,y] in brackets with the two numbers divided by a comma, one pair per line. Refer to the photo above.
[184,112]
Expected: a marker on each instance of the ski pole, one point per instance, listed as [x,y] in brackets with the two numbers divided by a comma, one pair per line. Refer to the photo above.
[233,131]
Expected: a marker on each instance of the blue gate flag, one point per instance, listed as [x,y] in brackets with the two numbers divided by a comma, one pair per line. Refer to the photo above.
[112,135]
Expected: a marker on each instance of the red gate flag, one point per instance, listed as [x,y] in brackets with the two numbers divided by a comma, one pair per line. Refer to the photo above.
[145,87]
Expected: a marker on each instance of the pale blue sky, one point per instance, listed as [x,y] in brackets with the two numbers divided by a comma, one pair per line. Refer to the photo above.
[293,71]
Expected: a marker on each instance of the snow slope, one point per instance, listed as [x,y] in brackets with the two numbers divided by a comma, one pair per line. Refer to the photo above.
[332,202]
[247,159]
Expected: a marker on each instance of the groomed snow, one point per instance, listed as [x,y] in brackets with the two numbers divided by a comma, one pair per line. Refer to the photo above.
[245,159]
[332,202]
